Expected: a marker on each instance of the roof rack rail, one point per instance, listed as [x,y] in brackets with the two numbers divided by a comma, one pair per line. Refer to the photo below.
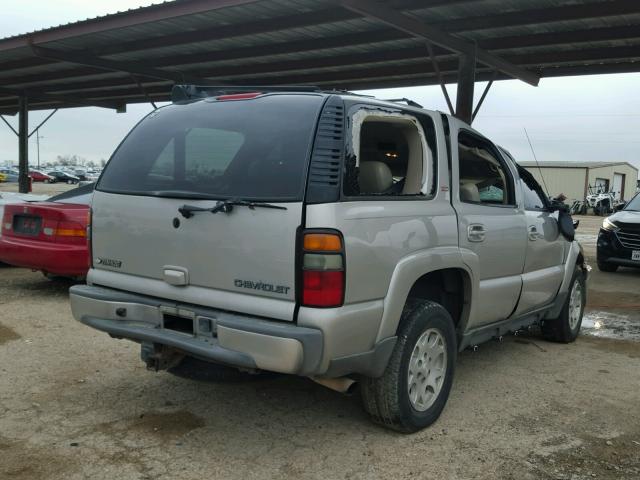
[182,93]
[409,102]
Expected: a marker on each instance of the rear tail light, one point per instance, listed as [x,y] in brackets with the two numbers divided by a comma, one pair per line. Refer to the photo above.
[70,232]
[89,242]
[323,275]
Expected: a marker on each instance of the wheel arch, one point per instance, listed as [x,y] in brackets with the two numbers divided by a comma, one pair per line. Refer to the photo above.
[428,275]
[575,258]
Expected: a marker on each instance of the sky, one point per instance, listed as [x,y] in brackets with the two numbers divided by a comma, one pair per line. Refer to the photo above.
[590,118]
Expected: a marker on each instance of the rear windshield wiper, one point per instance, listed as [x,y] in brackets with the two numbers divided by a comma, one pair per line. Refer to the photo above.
[179,194]
[226,206]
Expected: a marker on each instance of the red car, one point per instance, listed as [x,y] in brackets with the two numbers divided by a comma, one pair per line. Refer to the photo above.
[48,236]
[37,176]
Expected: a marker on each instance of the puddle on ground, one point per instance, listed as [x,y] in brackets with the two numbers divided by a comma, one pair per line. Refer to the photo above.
[6,334]
[611,325]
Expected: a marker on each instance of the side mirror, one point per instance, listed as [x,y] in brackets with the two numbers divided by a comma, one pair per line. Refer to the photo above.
[566,226]
[620,206]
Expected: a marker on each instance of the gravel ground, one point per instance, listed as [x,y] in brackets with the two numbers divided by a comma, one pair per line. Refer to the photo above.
[76,404]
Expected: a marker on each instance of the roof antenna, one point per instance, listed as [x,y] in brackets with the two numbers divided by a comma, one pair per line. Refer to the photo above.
[536,159]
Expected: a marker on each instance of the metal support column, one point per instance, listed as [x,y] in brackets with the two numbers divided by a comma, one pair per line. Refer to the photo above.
[23,144]
[466,81]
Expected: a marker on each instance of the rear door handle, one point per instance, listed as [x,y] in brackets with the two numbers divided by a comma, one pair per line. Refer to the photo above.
[533,233]
[476,232]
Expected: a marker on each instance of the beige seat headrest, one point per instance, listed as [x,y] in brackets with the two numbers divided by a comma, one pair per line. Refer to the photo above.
[374,177]
[469,192]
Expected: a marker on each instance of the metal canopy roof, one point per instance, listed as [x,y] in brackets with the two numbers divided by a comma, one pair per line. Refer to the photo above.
[137,55]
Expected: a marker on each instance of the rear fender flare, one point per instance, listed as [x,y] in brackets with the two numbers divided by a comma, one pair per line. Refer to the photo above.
[409,269]
[569,267]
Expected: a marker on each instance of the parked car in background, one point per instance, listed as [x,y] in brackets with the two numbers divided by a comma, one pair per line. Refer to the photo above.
[50,236]
[38,176]
[619,238]
[81,174]
[92,175]
[10,174]
[7,198]
[65,177]
[3,177]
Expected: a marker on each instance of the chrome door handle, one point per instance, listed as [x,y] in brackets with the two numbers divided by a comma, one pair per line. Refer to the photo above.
[476,232]
[533,233]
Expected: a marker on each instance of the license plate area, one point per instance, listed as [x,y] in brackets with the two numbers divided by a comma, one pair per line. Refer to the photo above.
[177,324]
[27,224]
[635,255]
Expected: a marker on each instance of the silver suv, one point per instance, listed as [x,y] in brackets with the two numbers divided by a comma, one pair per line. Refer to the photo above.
[327,235]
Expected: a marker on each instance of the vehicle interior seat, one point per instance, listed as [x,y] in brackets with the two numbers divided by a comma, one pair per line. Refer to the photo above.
[374,177]
[469,192]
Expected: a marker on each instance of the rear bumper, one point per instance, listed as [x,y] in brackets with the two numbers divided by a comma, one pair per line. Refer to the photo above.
[56,258]
[218,336]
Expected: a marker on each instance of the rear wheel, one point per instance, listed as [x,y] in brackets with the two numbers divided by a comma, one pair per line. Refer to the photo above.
[413,390]
[566,327]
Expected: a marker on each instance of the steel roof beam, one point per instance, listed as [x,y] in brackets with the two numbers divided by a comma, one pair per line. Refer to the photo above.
[577,11]
[56,99]
[86,86]
[417,28]
[68,74]
[154,13]
[522,17]
[275,24]
[331,15]
[414,59]
[113,65]
[547,39]
[160,93]
[498,43]
[362,38]
[9,125]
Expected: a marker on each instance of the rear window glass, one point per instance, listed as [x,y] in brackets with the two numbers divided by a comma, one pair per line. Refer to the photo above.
[251,149]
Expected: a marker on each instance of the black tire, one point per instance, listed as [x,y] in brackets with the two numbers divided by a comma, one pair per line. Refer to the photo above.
[194,369]
[560,329]
[386,399]
[607,267]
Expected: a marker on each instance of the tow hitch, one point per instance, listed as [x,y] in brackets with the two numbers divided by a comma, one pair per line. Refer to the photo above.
[160,357]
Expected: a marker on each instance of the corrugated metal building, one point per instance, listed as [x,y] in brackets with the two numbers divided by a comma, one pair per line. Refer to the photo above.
[574,178]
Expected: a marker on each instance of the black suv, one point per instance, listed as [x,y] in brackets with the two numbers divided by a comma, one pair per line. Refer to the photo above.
[619,238]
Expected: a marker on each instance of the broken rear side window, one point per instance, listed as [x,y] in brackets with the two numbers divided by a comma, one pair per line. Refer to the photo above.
[392,155]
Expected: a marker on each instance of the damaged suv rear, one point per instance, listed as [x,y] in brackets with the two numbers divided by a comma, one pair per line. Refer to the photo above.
[323,234]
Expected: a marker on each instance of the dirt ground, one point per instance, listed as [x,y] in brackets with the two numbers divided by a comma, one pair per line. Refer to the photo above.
[76,404]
